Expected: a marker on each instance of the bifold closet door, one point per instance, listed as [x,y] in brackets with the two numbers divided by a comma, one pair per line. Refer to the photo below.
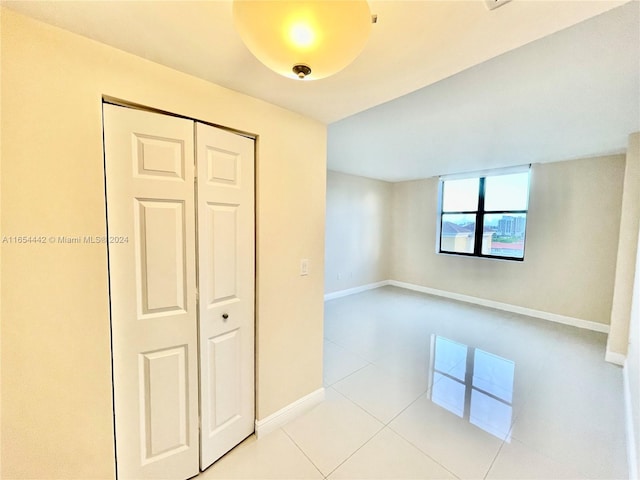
[149,165]
[183,347]
[225,165]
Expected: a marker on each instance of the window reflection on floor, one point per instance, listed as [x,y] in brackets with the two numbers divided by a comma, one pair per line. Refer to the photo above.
[472,384]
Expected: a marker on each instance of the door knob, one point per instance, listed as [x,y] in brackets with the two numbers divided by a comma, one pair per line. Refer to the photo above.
[225,316]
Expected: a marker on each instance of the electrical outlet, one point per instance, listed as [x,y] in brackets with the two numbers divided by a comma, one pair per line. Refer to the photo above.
[304,267]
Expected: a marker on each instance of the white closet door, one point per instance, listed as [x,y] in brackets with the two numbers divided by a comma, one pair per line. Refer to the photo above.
[150,208]
[225,165]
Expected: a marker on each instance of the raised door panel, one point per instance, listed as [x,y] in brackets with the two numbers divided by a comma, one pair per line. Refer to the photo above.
[222,261]
[223,167]
[224,361]
[164,402]
[161,256]
[159,157]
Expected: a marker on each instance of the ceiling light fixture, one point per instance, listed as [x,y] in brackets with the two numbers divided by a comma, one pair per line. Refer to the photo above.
[303,39]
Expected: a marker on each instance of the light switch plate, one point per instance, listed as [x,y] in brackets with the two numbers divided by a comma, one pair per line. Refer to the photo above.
[304,267]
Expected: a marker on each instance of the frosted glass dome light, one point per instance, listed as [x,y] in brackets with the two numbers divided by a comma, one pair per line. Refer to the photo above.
[303,39]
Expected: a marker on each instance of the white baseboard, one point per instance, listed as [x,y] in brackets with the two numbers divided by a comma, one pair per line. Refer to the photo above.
[632,452]
[616,358]
[552,317]
[351,291]
[288,413]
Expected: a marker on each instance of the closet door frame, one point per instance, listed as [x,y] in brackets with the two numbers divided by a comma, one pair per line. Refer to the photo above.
[149,365]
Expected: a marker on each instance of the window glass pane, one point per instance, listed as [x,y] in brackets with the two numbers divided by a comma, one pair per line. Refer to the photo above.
[460,195]
[457,233]
[504,235]
[507,192]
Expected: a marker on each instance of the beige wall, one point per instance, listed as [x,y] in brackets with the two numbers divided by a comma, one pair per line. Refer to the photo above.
[56,385]
[358,233]
[572,237]
[627,248]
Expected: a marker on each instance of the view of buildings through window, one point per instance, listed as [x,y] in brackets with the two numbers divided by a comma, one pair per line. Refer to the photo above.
[485,215]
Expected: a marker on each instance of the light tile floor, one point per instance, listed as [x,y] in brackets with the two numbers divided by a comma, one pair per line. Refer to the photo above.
[419,387]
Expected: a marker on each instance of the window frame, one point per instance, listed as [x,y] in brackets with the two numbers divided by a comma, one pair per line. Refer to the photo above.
[481,212]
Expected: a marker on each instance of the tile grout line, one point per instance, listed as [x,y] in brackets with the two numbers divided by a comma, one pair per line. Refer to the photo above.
[368,440]
[356,450]
[303,452]
[348,350]
[422,452]
[388,425]
[495,457]
[349,375]
[355,404]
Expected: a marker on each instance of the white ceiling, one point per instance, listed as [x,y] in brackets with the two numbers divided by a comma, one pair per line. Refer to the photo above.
[567,95]
[570,95]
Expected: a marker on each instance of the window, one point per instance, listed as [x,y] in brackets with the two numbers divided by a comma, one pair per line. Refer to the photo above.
[485,215]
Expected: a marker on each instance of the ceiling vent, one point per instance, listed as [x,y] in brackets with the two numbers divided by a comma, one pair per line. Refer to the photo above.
[493,4]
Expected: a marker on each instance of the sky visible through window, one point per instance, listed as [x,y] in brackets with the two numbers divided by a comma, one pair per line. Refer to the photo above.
[461,195]
[507,192]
